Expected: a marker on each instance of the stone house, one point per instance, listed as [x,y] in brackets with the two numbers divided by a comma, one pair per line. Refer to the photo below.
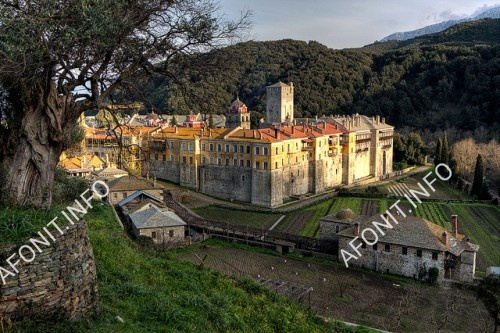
[162,225]
[410,248]
[123,187]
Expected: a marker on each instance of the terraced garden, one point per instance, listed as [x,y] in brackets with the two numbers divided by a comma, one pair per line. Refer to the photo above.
[238,217]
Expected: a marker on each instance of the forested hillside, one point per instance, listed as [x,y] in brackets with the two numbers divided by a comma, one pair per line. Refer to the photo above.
[449,80]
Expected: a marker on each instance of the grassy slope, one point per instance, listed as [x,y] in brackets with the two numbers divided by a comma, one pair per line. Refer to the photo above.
[153,292]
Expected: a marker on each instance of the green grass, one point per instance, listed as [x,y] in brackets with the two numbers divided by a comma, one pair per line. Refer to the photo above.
[488,238]
[345,202]
[18,224]
[435,213]
[311,228]
[154,292]
[238,217]
[484,232]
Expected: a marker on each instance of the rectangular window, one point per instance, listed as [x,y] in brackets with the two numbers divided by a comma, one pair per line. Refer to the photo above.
[211,147]
[211,160]
[203,147]
[172,145]
[156,157]
[248,163]
[363,245]
[404,250]
[203,160]
[219,161]
[235,148]
[227,148]
[190,160]
[183,146]
[164,157]
[235,162]
[248,149]
[184,159]
[257,150]
[266,151]
[171,233]
[191,146]
[242,149]
[227,161]
[296,145]
[288,147]
[257,165]
[124,195]
[153,234]
[219,147]
[276,165]
[419,253]
[172,158]
[337,229]
[434,256]
[242,163]
[387,248]
[277,150]
[375,246]
[265,165]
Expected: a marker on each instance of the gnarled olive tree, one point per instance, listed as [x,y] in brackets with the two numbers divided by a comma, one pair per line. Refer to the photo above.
[61,57]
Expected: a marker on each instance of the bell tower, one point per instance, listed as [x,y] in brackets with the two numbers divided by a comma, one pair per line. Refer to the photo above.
[279,107]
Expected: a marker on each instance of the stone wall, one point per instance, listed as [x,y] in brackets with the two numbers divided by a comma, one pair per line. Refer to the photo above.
[61,282]
[226,182]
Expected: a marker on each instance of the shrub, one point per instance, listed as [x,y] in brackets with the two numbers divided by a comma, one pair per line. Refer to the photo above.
[433,275]
[67,188]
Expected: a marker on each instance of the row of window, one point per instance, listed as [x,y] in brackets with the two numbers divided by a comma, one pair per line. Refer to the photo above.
[154,234]
[404,250]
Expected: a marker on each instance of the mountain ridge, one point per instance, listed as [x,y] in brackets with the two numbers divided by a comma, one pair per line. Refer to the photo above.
[438,27]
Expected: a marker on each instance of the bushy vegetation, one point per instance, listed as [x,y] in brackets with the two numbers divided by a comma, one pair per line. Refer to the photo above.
[421,85]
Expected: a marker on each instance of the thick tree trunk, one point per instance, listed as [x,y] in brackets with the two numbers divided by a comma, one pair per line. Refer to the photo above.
[45,124]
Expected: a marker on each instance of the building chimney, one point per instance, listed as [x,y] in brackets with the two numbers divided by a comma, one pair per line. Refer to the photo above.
[373,120]
[175,129]
[383,121]
[277,133]
[324,124]
[454,225]
[357,228]
[444,238]
[378,119]
[293,129]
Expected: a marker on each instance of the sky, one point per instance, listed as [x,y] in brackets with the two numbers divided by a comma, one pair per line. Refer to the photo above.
[346,23]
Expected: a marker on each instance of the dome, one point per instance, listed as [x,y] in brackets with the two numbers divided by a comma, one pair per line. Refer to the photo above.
[237,106]
[345,214]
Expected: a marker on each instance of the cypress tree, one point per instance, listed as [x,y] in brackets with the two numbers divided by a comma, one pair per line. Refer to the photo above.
[211,121]
[437,155]
[477,185]
[445,151]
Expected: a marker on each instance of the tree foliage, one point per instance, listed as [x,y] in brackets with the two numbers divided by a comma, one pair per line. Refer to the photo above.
[59,58]
[421,86]
[408,148]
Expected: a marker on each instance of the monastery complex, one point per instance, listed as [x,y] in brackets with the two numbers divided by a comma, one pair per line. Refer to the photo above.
[283,159]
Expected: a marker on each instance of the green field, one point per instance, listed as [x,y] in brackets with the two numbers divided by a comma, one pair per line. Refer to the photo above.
[238,217]
[479,222]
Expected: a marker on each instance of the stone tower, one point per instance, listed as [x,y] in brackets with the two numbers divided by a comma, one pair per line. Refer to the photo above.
[279,98]
[238,115]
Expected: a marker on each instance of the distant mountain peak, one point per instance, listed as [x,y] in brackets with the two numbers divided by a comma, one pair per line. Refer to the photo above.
[438,27]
